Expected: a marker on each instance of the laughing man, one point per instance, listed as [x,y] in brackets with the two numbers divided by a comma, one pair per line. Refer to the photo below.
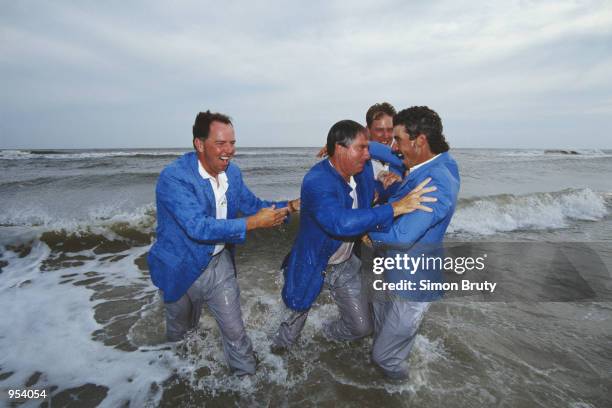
[203,208]
[337,195]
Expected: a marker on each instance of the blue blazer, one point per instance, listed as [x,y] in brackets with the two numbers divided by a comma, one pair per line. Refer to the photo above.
[421,232]
[326,220]
[187,229]
[421,226]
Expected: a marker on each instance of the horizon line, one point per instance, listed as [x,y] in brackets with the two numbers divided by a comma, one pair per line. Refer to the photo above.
[285,147]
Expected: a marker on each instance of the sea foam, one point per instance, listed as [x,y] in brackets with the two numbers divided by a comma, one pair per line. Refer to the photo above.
[76,155]
[537,211]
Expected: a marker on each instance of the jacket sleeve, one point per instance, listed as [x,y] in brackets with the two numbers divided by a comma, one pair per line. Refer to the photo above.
[329,212]
[379,151]
[178,198]
[409,228]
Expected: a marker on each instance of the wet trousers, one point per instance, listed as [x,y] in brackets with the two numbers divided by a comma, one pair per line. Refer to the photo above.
[345,285]
[396,323]
[217,288]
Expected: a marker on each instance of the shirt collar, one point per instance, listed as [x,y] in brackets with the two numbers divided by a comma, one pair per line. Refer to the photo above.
[425,162]
[352,183]
[205,175]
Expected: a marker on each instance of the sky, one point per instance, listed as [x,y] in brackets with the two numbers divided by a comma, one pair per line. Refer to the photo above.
[116,74]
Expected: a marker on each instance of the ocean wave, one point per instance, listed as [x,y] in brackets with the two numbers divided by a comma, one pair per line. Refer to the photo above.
[15,154]
[536,211]
[80,155]
[274,154]
[479,216]
[106,223]
[98,220]
[144,154]
[576,153]
[275,170]
[100,180]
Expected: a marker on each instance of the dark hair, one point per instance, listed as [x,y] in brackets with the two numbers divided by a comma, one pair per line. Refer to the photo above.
[343,133]
[422,120]
[378,110]
[201,127]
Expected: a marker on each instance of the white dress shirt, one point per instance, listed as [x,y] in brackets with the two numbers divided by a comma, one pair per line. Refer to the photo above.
[346,248]
[378,166]
[219,189]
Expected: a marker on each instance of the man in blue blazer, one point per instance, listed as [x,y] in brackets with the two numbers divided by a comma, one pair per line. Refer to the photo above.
[418,136]
[203,208]
[337,195]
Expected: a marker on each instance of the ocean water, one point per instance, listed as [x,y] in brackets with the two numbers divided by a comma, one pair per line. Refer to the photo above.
[81,319]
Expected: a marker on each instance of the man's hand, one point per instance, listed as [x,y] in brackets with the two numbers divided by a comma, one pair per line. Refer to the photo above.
[267,218]
[387,178]
[367,241]
[294,205]
[412,201]
[322,152]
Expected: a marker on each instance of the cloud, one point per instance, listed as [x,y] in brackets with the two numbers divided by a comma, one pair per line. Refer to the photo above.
[286,73]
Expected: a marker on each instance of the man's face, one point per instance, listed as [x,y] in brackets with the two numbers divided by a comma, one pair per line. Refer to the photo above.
[217,149]
[410,149]
[381,130]
[351,159]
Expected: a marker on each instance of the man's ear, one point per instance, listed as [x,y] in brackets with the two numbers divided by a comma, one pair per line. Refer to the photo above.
[421,140]
[198,144]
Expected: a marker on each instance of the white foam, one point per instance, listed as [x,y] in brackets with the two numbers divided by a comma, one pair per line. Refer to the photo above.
[537,211]
[47,327]
[14,154]
[579,153]
[522,153]
[27,155]
[25,216]
[96,219]
[63,155]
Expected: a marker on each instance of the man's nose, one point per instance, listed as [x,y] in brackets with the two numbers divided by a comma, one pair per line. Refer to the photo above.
[394,147]
[367,154]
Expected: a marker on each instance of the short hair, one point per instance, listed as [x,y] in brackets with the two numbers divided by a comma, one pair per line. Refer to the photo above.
[422,120]
[377,110]
[343,133]
[201,127]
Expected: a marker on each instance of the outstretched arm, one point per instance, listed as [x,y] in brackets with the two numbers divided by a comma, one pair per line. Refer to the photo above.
[329,211]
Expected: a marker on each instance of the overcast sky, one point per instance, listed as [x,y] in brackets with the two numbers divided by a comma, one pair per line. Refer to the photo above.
[108,74]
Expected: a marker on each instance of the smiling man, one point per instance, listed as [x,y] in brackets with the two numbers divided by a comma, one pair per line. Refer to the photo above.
[419,137]
[379,119]
[203,208]
[337,194]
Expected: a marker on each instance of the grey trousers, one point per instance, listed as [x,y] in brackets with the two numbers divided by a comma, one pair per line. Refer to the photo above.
[344,283]
[396,323]
[216,288]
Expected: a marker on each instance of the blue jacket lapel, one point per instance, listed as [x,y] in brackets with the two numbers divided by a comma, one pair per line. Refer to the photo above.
[203,188]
